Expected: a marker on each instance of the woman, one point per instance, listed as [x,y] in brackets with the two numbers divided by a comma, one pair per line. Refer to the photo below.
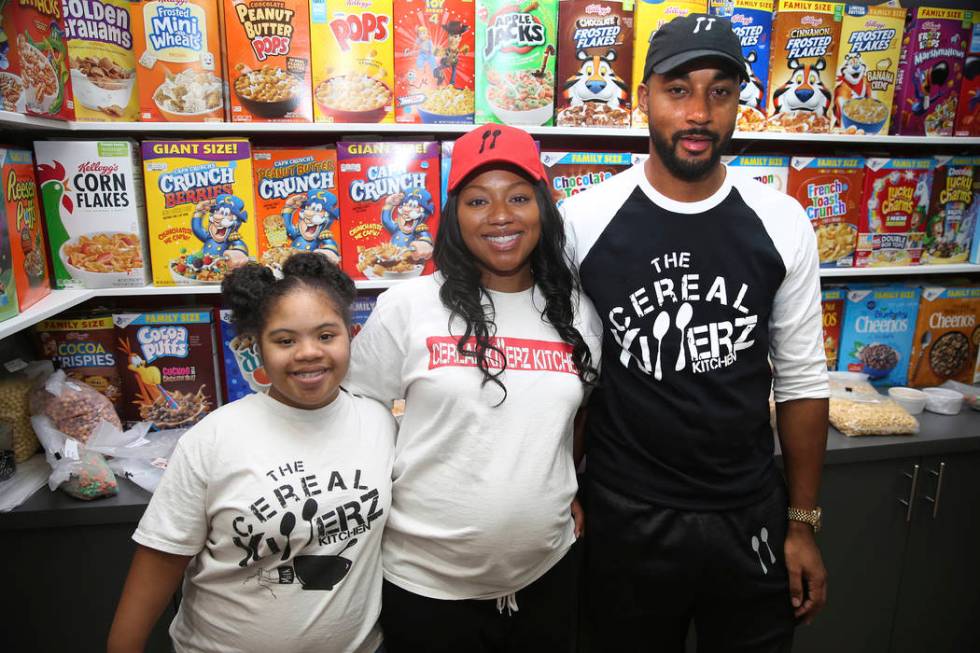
[272,507]
[493,360]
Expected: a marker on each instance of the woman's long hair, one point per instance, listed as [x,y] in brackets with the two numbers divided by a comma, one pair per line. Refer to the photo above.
[463,294]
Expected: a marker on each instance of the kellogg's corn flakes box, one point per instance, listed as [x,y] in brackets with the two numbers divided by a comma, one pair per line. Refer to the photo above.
[103,60]
[37,80]
[891,229]
[267,60]
[19,207]
[200,209]
[752,22]
[968,109]
[952,210]
[830,190]
[178,51]
[765,168]
[389,207]
[573,172]
[516,45]
[353,60]
[434,61]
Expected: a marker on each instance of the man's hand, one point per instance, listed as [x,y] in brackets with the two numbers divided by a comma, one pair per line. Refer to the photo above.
[578,516]
[805,567]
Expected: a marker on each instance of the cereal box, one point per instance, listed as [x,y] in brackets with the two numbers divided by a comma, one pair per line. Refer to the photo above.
[445,164]
[516,44]
[876,337]
[651,16]
[867,68]
[92,194]
[946,336]
[893,211]
[572,172]
[243,370]
[8,285]
[950,222]
[178,52]
[103,60]
[767,168]
[930,71]
[595,63]
[389,208]
[353,60]
[24,222]
[296,200]
[805,40]
[37,82]
[362,309]
[267,60]
[85,348]
[830,190]
[832,306]
[200,209]
[169,367]
[968,107]
[752,22]
[434,61]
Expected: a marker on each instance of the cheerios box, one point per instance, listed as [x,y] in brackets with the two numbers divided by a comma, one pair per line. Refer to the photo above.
[876,338]
[178,55]
[25,225]
[434,61]
[891,230]
[953,207]
[353,60]
[768,169]
[573,172]
[92,194]
[267,60]
[36,80]
[389,207]
[296,203]
[102,57]
[830,190]
[752,23]
[200,209]
[244,372]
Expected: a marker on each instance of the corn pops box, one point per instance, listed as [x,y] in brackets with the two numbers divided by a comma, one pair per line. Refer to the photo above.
[952,210]
[244,372]
[830,190]
[296,200]
[766,168]
[24,223]
[178,54]
[200,209]
[891,230]
[867,68]
[103,60]
[968,108]
[572,172]
[434,61]
[389,207]
[37,81]
[353,60]
[752,22]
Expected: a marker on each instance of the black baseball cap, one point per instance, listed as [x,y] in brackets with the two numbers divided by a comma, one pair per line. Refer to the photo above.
[691,37]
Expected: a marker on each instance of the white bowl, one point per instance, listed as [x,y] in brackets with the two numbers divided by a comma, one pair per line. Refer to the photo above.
[943,401]
[95,97]
[20,104]
[533,117]
[35,102]
[912,400]
[89,279]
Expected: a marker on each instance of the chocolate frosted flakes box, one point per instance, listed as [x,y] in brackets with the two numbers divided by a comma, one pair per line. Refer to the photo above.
[891,230]
[952,210]
[573,172]
[968,109]
[830,190]
[765,168]
[752,22]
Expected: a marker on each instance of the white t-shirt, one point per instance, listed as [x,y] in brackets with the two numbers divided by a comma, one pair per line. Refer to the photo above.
[481,493]
[283,510]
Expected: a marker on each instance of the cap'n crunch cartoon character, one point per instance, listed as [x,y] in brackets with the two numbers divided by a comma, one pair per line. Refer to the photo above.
[225,214]
[315,213]
[404,216]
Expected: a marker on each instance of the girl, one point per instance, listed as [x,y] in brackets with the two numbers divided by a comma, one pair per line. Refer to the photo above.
[272,507]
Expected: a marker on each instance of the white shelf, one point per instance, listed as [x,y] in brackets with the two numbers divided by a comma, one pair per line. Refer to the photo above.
[56,302]
[955,268]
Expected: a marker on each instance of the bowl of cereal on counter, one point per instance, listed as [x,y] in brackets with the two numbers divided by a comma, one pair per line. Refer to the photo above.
[354,98]
[521,97]
[104,259]
[190,96]
[269,92]
[448,105]
[864,115]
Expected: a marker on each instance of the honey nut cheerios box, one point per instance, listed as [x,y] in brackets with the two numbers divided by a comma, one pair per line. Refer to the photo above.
[752,22]
[267,60]
[178,55]
[434,61]
[891,230]
[830,190]
[200,209]
[353,60]
[25,225]
[389,207]
[36,80]
[92,194]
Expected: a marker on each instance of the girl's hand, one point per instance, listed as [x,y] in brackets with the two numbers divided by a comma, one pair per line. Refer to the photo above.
[578,516]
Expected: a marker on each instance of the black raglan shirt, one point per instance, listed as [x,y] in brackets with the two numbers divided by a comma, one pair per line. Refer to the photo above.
[735,278]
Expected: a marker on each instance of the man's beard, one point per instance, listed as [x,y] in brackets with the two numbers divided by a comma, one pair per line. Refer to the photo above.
[688,170]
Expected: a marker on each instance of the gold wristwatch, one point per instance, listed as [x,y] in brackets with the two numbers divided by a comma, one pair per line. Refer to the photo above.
[811,517]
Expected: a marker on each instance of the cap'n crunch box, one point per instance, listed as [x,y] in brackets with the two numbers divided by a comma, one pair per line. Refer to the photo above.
[38,59]
[830,190]
[968,108]
[389,207]
[103,60]
[178,52]
[766,168]
[434,61]
[353,60]
[867,68]
[572,172]
[752,22]
[267,60]
[893,211]
[952,210]
[199,208]
[23,217]
[832,306]
[296,203]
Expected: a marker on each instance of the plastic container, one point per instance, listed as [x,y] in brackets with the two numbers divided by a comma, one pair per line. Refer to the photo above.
[912,400]
[943,401]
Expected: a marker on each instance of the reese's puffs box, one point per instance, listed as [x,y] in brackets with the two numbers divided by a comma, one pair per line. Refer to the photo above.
[389,207]
[199,208]
[24,223]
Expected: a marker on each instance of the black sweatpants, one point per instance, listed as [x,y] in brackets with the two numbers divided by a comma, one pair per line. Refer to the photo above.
[651,570]
[545,620]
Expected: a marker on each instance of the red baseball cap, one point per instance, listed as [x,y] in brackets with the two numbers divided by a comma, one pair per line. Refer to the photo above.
[494,144]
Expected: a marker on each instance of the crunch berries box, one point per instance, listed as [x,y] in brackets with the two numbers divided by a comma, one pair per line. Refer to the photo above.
[85,348]
[244,373]
[768,169]
[37,82]
[952,210]
[893,211]
[830,190]
[24,223]
[832,305]
[876,338]
[752,22]
[572,172]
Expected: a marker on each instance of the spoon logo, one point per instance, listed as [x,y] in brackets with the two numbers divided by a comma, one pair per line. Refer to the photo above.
[760,544]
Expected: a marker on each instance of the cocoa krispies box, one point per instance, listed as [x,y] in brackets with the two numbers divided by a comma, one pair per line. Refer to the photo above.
[891,230]
[752,22]
[830,190]
[389,207]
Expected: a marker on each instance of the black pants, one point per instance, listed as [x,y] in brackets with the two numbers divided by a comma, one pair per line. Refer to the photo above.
[650,571]
[545,621]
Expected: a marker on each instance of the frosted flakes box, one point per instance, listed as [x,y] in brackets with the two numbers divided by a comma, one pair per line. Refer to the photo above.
[595,63]
[830,190]
[37,81]
[752,22]
[832,307]
[102,56]
[930,71]
[952,210]
[867,68]
[361,311]
[22,212]
[92,194]
[876,338]
[766,168]
[389,207]
[200,209]
[516,48]
[85,348]
[244,373]
[893,211]
[946,336]
[296,203]
[434,61]
[968,107]
[178,54]
[572,172]
[353,60]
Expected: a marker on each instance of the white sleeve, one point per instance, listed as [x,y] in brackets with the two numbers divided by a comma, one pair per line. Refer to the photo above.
[377,357]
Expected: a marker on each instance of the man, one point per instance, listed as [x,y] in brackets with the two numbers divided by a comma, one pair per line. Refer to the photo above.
[702,280]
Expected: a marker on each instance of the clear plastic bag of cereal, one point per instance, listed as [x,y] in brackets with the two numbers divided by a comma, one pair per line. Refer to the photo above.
[74,408]
[77,471]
